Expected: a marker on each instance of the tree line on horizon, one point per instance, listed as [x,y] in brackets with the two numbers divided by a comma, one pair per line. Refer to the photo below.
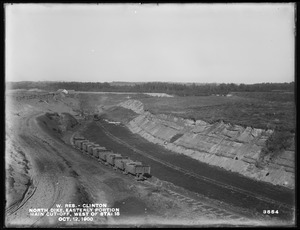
[156,87]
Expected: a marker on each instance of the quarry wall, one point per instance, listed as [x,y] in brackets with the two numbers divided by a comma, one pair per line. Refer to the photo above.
[231,147]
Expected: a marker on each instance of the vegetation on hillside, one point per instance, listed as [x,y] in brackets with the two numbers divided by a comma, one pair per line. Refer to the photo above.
[239,110]
[278,142]
[265,105]
[156,87]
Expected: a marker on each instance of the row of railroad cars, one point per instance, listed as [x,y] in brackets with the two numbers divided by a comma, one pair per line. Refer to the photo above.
[116,160]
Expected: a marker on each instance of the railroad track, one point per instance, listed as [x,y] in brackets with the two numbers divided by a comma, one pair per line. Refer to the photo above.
[16,206]
[197,206]
[191,174]
[58,193]
[13,208]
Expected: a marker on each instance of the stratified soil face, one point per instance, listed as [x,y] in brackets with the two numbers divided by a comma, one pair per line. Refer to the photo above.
[50,183]
[232,147]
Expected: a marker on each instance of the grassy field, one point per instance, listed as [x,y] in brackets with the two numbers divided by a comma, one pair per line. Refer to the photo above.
[259,110]
[265,110]
[268,96]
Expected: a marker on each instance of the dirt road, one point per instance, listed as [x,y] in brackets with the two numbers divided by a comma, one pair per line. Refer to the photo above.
[51,179]
[59,174]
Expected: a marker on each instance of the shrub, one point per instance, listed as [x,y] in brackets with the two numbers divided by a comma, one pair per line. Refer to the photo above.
[278,142]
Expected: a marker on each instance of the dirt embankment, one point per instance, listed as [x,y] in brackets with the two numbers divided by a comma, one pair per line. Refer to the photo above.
[36,175]
[232,147]
[42,170]
[17,173]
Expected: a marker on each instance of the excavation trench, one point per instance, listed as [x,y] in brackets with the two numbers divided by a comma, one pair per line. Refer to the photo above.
[282,199]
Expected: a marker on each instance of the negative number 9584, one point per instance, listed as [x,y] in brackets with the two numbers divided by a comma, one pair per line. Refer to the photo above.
[270,211]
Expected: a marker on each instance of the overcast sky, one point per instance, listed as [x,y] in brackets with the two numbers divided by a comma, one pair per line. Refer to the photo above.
[204,43]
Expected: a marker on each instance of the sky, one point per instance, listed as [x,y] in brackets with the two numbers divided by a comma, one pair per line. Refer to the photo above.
[201,43]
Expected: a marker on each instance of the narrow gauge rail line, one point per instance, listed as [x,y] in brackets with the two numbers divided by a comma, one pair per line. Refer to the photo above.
[11,209]
[15,207]
[238,190]
[34,224]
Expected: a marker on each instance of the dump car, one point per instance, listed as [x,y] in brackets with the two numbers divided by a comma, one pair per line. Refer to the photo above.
[120,163]
[112,157]
[131,166]
[146,169]
[103,155]
[137,169]
[90,148]
[77,139]
[85,146]
[79,143]
[96,150]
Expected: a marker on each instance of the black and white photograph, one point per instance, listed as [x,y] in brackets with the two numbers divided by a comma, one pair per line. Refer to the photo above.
[149,115]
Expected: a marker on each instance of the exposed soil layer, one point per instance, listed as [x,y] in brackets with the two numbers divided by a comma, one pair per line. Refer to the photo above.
[232,147]
[43,169]
[210,188]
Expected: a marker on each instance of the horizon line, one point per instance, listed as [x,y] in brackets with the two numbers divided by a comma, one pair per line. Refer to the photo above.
[144,82]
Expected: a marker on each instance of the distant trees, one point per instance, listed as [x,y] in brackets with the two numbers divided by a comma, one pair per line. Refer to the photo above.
[156,87]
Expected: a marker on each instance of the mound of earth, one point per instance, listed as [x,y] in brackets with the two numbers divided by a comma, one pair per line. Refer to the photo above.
[134,105]
[57,123]
[17,173]
[120,114]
